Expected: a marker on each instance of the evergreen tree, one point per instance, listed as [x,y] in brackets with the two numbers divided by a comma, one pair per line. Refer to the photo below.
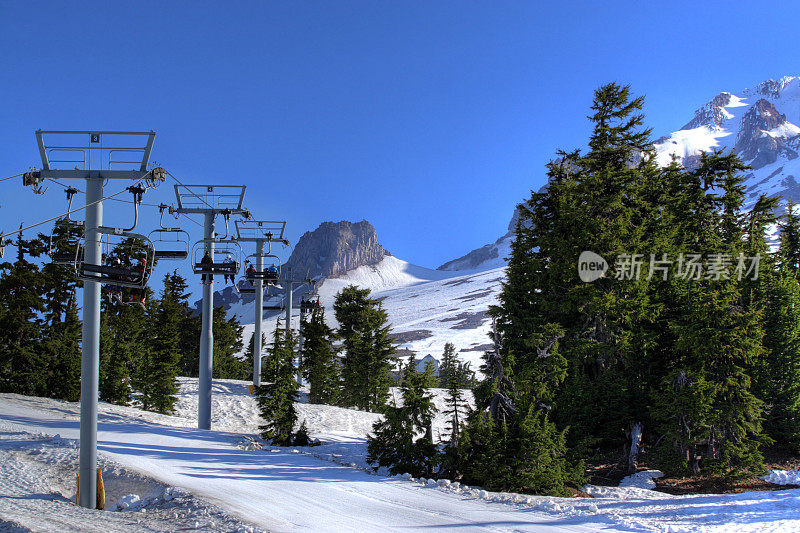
[403,440]
[23,363]
[448,364]
[63,346]
[156,378]
[369,351]
[276,398]
[320,361]
[248,354]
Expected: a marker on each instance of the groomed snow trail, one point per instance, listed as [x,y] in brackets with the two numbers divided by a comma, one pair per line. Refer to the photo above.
[279,491]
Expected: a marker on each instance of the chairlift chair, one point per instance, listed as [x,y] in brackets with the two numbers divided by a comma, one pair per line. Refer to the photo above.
[244,287]
[222,248]
[123,276]
[170,243]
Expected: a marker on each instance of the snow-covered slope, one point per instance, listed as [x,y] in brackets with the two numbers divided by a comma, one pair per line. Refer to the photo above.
[427,308]
[224,480]
[759,124]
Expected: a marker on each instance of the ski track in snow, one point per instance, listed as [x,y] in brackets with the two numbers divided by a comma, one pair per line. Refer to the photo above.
[236,481]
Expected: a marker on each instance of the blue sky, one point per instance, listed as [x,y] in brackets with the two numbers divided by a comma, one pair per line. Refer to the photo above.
[429,119]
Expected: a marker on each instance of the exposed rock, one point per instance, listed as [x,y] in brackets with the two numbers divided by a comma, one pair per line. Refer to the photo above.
[334,248]
[755,143]
[712,114]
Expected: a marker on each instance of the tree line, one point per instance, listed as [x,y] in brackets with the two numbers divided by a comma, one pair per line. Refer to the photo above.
[142,350]
[684,355]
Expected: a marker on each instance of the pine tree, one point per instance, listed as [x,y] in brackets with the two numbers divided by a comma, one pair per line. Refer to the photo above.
[276,398]
[704,403]
[63,345]
[369,351]
[448,364]
[23,364]
[156,378]
[320,361]
[248,354]
[403,440]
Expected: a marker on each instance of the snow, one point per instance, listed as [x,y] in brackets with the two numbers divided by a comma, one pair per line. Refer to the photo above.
[783,477]
[163,474]
[687,143]
[642,480]
[439,306]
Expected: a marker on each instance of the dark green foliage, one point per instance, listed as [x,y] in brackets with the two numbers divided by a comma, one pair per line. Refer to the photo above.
[23,365]
[320,363]
[369,351]
[248,354]
[403,440]
[276,397]
[156,375]
[63,347]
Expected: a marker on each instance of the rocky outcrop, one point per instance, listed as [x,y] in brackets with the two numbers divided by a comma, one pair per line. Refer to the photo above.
[334,248]
[761,140]
[712,114]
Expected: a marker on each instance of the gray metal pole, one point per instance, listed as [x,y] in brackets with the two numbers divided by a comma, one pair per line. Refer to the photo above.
[288,307]
[259,314]
[90,349]
[206,336]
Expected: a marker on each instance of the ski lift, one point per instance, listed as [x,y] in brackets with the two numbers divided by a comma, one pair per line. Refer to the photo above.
[269,275]
[274,306]
[170,243]
[244,287]
[308,303]
[136,246]
[219,263]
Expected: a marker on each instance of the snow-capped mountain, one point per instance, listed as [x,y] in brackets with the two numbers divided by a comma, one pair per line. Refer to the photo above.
[328,251]
[759,124]
[486,257]
[428,308]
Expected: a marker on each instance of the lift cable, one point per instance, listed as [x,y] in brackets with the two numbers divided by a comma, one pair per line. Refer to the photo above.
[193,221]
[111,196]
[188,189]
[14,176]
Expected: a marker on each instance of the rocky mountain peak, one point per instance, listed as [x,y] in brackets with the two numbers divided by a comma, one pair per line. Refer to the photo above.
[759,141]
[712,114]
[773,88]
[334,248]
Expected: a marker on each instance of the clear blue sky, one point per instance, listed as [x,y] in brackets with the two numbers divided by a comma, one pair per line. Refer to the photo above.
[429,119]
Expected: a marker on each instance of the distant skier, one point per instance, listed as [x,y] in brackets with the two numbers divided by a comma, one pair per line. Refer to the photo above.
[205,264]
[272,273]
[230,268]
[250,274]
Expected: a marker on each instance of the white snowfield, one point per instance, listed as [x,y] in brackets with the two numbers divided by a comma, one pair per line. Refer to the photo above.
[430,307]
[226,480]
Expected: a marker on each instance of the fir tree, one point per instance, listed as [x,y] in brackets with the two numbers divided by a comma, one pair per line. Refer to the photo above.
[369,351]
[448,364]
[320,361]
[23,364]
[403,440]
[156,378]
[63,345]
[276,398]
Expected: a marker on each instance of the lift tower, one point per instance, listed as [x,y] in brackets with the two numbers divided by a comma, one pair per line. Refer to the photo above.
[260,232]
[95,157]
[209,201]
[290,283]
